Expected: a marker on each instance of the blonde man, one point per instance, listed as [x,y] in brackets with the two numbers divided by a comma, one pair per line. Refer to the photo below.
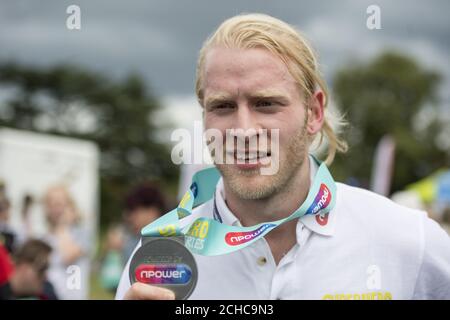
[257,72]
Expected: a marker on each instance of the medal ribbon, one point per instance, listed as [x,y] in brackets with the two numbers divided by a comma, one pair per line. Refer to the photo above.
[209,237]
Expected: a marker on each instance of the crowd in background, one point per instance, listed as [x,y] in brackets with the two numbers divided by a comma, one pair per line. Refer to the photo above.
[36,267]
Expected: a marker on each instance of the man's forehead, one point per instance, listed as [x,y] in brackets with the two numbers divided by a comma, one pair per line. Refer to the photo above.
[233,60]
[246,70]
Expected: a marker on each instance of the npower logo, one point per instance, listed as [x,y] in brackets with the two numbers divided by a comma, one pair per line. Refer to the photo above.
[237,238]
[163,273]
[321,201]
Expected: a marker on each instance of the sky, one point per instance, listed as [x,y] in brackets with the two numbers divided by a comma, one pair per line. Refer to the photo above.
[160,40]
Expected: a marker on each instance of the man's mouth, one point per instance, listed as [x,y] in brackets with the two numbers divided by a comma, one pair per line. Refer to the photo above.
[249,157]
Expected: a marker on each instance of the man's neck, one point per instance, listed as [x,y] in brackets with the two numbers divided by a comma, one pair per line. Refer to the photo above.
[278,206]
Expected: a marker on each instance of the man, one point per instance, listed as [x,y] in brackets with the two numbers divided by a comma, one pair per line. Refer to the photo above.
[28,278]
[257,72]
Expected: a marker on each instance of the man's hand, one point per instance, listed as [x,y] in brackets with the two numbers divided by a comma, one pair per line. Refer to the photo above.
[142,291]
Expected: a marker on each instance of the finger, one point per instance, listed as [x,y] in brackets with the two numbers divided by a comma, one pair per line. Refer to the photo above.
[141,291]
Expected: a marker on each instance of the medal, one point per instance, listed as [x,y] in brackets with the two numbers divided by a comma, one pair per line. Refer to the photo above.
[167,263]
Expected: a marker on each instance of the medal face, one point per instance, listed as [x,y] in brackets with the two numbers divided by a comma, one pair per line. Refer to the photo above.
[165,262]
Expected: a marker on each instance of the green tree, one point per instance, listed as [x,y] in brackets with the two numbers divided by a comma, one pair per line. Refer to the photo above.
[385,96]
[63,99]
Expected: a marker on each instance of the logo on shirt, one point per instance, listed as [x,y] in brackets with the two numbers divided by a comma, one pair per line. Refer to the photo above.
[322,219]
[237,238]
[163,273]
[374,295]
[322,200]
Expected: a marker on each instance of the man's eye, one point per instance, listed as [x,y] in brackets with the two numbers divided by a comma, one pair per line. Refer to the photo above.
[222,106]
[265,103]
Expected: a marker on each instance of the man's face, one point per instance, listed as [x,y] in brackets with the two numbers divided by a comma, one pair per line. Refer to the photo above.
[253,89]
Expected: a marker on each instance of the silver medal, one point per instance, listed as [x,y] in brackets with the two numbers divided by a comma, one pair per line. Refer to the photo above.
[165,262]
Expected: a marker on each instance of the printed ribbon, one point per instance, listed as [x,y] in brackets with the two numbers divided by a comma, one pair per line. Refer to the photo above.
[209,237]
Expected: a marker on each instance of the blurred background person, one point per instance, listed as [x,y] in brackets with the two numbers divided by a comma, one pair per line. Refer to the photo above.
[143,204]
[6,269]
[69,241]
[9,237]
[112,262]
[25,210]
[28,274]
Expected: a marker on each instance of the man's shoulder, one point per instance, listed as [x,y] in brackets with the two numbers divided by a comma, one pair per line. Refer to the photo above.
[378,214]
[373,204]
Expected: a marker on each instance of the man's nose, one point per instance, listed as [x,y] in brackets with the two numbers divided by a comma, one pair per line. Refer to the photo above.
[245,119]
[245,126]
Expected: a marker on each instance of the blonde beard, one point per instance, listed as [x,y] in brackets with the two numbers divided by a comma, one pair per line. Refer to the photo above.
[251,185]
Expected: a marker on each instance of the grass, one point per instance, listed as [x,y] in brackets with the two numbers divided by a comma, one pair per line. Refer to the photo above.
[97,292]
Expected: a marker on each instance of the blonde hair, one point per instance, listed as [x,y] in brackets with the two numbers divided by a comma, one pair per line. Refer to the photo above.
[263,31]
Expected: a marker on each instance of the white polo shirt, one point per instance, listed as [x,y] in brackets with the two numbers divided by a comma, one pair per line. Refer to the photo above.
[367,247]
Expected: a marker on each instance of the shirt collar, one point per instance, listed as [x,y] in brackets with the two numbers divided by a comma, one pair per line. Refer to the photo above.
[225,213]
[323,225]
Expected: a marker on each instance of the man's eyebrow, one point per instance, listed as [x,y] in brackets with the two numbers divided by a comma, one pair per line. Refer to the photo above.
[263,94]
[217,97]
[276,94]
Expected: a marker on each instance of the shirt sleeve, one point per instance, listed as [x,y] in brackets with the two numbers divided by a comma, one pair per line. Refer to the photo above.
[124,283]
[433,281]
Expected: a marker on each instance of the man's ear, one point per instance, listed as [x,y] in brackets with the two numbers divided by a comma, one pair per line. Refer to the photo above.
[316,113]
